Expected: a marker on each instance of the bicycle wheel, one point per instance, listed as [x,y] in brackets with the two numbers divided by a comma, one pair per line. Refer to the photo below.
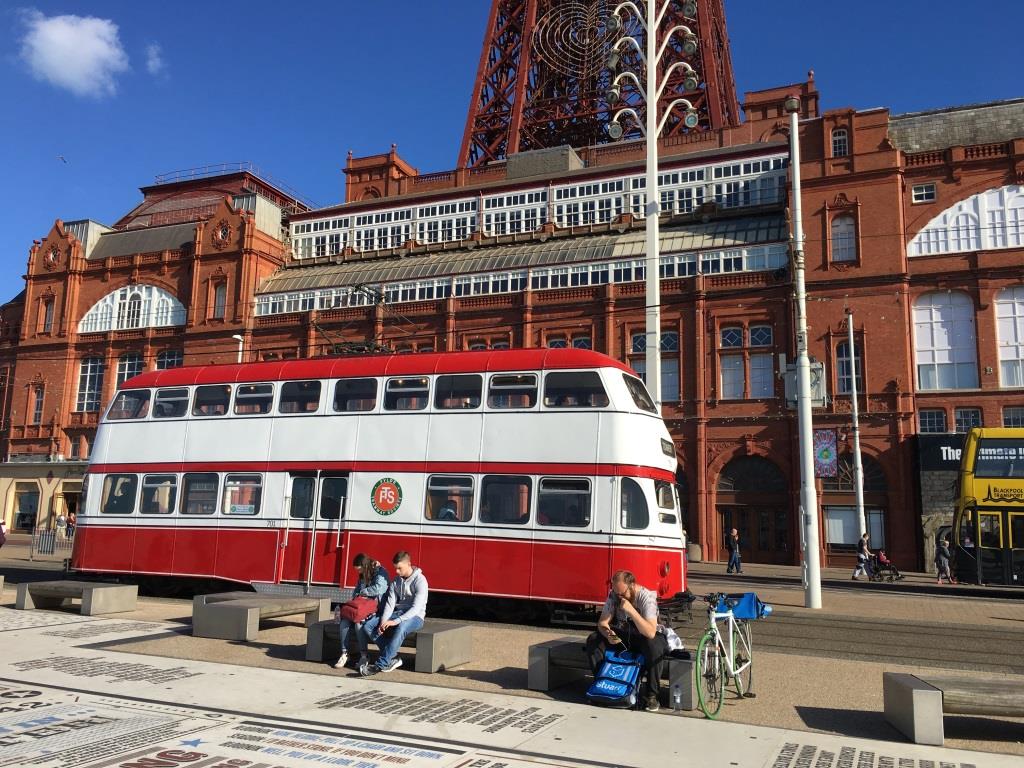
[743,681]
[710,676]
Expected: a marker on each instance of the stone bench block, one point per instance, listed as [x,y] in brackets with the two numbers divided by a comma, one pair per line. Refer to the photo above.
[439,645]
[97,599]
[913,707]
[237,615]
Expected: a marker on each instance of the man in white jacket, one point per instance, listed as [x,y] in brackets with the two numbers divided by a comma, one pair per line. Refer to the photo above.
[401,614]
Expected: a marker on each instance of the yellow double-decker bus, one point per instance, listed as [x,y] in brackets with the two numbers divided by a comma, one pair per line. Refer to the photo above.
[988,528]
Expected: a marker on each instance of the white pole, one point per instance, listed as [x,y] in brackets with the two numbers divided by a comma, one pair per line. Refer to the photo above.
[808,493]
[241,341]
[651,212]
[858,469]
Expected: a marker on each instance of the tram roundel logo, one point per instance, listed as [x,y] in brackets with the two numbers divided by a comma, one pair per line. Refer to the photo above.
[386,497]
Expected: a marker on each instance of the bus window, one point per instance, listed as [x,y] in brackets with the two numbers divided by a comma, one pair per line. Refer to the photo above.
[564,502]
[355,395]
[299,397]
[332,498]
[575,389]
[965,535]
[199,493]
[406,394]
[449,499]
[119,494]
[302,497]
[517,390]
[211,400]
[242,494]
[1017,530]
[505,499]
[159,494]
[990,530]
[462,391]
[130,404]
[637,390]
[253,399]
[170,403]
[634,505]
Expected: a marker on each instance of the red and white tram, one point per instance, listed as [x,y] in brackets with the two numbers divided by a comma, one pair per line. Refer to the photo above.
[524,473]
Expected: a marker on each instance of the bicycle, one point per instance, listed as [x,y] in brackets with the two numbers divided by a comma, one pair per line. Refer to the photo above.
[718,661]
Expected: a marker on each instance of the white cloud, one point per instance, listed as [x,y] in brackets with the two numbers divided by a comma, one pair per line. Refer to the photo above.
[154,59]
[80,53]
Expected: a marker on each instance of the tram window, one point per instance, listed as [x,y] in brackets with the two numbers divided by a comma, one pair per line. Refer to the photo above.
[637,390]
[663,490]
[211,400]
[253,399]
[159,494]
[455,392]
[332,497]
[302,497]
[634,505]
[130,404]
[563,502]
[575,389]
[449,499]
[517,390]
[999,458]
[299,397]
[990,530]
[199,493]
[966,533]
[170,403]
[505,499]
[242,494]
[1016,530]
[355,395]
[408,394]
[119,494]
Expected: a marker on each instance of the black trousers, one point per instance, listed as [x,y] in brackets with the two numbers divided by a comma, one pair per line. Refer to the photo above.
[654,651]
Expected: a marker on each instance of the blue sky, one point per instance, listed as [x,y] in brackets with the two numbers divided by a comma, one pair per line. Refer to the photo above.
[96,105]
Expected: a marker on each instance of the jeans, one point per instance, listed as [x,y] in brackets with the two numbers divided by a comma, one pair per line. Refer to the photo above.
[863,566]
[347,626]
[734,562]
[654,651]
[390,642]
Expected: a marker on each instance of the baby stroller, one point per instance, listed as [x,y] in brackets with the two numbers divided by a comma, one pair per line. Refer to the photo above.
[883,569]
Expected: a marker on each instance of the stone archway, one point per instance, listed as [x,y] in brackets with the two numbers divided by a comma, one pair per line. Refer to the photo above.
[753,496]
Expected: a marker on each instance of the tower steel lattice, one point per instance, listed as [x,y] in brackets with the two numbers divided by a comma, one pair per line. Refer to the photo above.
[543,78]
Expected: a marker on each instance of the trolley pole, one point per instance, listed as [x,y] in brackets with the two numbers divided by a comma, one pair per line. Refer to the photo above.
[858,469]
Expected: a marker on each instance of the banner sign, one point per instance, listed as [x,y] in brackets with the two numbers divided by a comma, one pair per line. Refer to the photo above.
[826,454]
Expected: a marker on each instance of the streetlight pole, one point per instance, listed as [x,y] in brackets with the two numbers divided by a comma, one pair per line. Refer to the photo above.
[241,342]
[808,493]
[858,469]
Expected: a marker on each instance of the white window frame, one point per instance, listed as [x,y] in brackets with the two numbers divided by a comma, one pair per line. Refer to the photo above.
[945,341]
[1010,334]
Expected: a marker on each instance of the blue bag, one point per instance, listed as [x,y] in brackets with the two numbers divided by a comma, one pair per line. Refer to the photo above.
[744,606]
[617,680]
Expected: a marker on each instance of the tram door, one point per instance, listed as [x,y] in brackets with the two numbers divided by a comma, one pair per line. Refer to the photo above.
[314,532]
[1001,546]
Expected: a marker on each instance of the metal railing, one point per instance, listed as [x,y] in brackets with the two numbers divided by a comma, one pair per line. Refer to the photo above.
[52,544]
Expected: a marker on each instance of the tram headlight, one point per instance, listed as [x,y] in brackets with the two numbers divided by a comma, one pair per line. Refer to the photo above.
[668,448]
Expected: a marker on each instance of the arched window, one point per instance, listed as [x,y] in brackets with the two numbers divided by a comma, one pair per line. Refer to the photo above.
[843,369]
[945,346]
[840,142]
[842,527]
[140,306]
[988,220]
[844,238]
[1010,330]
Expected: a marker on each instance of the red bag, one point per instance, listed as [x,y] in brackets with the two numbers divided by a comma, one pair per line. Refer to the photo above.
[359,609]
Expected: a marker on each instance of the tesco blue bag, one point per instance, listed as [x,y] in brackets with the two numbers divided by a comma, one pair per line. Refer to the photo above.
[617,680]
[746,605]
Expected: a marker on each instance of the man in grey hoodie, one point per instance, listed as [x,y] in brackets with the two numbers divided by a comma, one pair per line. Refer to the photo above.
[401,614]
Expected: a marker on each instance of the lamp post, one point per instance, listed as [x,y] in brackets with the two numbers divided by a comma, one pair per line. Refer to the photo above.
[241,342]
[651,128]
[858,469]
[808,493]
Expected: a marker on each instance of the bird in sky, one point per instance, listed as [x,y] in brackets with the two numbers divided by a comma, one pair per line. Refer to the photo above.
[62,159]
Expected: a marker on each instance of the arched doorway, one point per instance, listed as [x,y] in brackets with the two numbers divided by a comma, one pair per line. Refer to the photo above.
[754,499]
[839,503]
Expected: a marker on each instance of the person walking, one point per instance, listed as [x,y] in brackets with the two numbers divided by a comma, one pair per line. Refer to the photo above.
[942,561]
[863,557]
[732,543]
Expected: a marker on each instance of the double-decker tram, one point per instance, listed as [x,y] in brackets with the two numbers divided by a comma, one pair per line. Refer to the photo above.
[523,473]
[988,546]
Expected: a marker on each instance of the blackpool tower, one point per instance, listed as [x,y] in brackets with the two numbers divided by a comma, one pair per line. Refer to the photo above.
[546,71]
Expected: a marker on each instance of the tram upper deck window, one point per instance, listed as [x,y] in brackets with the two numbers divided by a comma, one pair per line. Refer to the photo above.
[515,390]
[242,494]
[199,493]
[170,403]
[449,499]
[119,494]
[211,400]
[505,499]
[253,399]
[634,505]
[355,395]
[159,494]
[637,390]
[407,394]
[564,502]
[574,389]
[130,404]
[458,392]
[299,397]
[999,458]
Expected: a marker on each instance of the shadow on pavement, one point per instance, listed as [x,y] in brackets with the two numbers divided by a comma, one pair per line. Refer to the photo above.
[849,722]
[506,678]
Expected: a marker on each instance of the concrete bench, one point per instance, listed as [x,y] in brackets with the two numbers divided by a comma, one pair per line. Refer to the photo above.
[555,663]
[915,704]
[97,598]
[440,645]
[237,615]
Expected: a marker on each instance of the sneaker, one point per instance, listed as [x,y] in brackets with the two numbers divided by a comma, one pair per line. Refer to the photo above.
[363,660]
[341,662]
[652,705]
[368,670]
[392,666]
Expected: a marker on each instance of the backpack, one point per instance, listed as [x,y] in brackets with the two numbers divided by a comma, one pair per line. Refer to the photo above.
[617,680]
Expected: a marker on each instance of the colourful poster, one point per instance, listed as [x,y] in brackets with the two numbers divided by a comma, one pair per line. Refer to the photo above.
[826,454]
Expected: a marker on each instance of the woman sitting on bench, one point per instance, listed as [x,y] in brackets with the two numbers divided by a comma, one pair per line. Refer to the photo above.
[373,582]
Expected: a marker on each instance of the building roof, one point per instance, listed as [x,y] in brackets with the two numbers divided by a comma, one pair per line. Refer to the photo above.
[173,237]
[727,233]
[964,126]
